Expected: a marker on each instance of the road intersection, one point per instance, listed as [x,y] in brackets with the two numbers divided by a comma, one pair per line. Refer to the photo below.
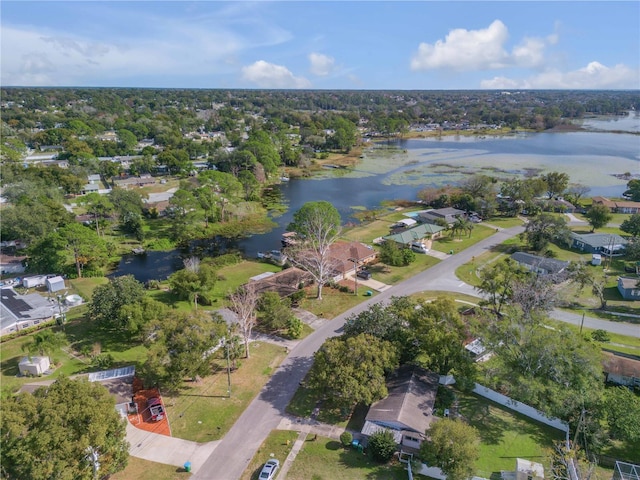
[234,452]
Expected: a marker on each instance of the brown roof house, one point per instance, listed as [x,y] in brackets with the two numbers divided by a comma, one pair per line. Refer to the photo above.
[407,412]
[347,256]
[621,370]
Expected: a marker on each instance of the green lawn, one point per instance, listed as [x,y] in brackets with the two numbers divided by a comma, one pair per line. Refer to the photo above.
[459,243]
[322,459]
[145,470]
[505,435]
[392,275]
[203,412]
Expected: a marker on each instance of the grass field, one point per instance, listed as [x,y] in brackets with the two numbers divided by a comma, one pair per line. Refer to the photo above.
[145,470]
[505,435]
[203,412]
[459,243]
[321,459]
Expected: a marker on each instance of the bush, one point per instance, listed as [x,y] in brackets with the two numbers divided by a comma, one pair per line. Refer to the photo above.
[294,327]
[600,335]
[346,438]
[382,446]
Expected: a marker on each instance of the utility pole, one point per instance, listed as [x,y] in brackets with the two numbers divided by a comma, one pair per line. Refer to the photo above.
[226,345]
[355,259]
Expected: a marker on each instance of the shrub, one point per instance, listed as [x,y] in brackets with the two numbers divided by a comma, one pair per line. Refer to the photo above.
[294,327]
[382,446]
[346,438]
[600,335]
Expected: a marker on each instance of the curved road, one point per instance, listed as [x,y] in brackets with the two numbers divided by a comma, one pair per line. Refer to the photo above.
[234,452]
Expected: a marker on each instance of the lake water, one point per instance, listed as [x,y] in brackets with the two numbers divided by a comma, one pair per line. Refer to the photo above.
[399,170]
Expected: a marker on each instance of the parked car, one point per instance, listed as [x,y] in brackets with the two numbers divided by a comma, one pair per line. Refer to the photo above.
[269,470]
[419,247]
[155,408]
[364,274]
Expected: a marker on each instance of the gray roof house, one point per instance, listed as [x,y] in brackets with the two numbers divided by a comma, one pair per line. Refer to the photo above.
[540,265]
[22,311]
[628,288]
[605,243]
[415,234]
[448,214]
[407,411]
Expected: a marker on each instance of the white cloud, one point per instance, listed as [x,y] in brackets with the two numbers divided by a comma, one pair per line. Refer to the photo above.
[321,65]
[594,76]
[269,75]
[484,49]
[36,57]
[465,50]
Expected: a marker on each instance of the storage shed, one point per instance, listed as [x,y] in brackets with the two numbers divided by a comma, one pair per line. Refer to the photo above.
[33,366]
[35,281]
[55,284]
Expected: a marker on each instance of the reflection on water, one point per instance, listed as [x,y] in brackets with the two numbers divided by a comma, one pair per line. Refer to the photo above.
[150,266]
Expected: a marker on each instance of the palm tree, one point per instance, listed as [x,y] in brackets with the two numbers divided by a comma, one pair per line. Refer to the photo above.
[45,342]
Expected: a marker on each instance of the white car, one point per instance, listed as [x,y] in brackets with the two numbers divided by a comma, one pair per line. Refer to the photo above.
[269,470]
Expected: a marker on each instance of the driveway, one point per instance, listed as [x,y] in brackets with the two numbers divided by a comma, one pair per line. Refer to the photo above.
[168,450]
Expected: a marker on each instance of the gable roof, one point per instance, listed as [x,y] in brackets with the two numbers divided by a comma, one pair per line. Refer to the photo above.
[19,308]
[550,265]
[343,253]
[409,404]
[618,365]
[599,240]
[416,233]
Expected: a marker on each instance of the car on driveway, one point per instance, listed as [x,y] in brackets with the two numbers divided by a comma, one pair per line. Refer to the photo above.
[269,470]
[364,274]
[156,409]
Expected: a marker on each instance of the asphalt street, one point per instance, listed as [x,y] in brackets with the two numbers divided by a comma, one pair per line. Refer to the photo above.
[234,452]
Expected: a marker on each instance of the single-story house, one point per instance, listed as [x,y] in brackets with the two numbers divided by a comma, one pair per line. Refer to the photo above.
[617,206]
[448,214]
[628,287]
[22,311]
[348,256]
[419,233]
[140,181]
[33,366]
[284,283]
[407,411]
[540,265]
[621,370]
[603,243]
[94,178]
[10,264]
[90,188]
[55,284]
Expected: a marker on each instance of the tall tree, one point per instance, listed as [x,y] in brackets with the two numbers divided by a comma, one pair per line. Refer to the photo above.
[45,342]
[497,282]
[453,446]
[598,216]
[623,413]
[181,346]
[243,303]
[108,301]
[545,228]
[556,183]
[69,430]
[632,225]
[195,281]
[84,244]
[99,207]
[317,225]
[353,369]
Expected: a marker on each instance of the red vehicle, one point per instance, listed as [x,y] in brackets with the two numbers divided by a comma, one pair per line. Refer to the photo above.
[156,409]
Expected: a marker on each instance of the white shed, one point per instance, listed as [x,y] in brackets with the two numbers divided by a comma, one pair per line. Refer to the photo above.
[55,284]
[34,366]
[596,259]
[36,281]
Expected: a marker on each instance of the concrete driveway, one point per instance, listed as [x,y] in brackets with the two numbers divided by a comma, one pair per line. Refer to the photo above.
[168,450]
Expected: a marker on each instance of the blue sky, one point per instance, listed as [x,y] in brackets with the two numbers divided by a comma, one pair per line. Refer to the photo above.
[421,45]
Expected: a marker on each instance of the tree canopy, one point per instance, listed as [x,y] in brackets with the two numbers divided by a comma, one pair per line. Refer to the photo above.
[108,301]
[57,431]
[453,446]
[349,370]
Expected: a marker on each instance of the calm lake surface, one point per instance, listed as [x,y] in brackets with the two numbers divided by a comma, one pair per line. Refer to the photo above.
[400,169]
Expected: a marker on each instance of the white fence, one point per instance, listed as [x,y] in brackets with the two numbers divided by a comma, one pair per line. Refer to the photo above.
[520,407]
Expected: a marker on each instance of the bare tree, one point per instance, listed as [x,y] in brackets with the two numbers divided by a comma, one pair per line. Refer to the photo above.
[534,293]
[243,302]
[318,226]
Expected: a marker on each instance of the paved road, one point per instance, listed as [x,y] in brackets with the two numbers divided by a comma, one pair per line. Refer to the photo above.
[233,454]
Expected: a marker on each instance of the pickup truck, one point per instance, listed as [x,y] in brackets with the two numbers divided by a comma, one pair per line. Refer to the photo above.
[155,408]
